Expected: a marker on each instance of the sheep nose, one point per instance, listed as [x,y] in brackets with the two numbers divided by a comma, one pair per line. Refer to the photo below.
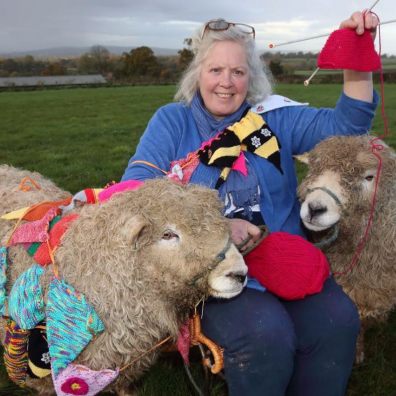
[238,277]
[316,209]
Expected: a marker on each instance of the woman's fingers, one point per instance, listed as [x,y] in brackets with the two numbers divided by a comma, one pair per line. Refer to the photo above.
[359,21]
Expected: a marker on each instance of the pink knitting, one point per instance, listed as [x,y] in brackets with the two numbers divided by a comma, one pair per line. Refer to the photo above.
[344,49]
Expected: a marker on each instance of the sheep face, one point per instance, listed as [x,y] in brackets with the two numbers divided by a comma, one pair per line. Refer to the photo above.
[173,238]
[341,176]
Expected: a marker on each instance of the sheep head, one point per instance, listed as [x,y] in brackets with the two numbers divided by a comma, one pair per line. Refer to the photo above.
[341,180]
[170,241]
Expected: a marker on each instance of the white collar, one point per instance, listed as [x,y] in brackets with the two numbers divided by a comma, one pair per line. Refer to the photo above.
[273,102]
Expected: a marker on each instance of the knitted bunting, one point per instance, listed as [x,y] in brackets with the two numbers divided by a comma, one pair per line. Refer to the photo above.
[3,279]
[76,379]
[34,231]
[42,255]
[25,304]
[39,361]
[71,324]
[15,353]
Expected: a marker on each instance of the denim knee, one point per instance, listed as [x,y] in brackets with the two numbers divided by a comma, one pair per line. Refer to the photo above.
[259,342]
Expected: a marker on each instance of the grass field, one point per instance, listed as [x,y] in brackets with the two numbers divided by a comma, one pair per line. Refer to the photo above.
[84,137]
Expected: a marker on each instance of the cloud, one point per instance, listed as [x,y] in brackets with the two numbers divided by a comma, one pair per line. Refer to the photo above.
[27,24]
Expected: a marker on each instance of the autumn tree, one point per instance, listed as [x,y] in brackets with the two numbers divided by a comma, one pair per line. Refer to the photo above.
[97,60]
[140,61]
[276,68]
[185,55]
[54,69]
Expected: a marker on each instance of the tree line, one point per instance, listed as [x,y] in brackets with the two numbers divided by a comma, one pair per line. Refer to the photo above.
[141,65]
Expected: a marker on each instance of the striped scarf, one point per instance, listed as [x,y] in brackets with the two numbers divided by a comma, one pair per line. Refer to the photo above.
[251,133]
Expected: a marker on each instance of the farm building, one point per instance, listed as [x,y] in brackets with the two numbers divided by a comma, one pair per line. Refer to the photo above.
[37,81]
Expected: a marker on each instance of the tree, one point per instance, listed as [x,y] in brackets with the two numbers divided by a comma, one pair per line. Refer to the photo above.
[140,61]
[276,68]
[97,60]
[185,55]
[54,69]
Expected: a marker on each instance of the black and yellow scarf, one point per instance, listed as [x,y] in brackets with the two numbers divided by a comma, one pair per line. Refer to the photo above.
[250,133]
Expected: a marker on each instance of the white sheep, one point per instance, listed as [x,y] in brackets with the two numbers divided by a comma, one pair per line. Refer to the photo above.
[337,195]
[143,259]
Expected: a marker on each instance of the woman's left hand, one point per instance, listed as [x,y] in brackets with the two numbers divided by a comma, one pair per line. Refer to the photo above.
[361,20]
[243,233]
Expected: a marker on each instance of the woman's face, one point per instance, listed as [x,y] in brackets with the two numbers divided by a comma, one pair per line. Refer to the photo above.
[224,78]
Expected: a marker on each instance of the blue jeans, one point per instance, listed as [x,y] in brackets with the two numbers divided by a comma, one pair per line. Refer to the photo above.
[275,348]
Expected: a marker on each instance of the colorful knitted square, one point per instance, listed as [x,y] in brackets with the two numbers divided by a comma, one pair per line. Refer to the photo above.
[34,231]
[71,324]
[3,278]
[80,380]
[25,303]
[15,352]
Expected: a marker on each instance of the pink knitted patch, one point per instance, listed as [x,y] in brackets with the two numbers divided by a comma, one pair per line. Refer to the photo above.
[108,192]
[77,379]
[240,164]
[34,231]
[344,49]
[183,342]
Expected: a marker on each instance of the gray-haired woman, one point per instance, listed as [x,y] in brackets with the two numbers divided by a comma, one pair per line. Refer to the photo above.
[271,346]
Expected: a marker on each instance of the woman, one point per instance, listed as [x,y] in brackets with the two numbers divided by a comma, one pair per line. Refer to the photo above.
[271,347]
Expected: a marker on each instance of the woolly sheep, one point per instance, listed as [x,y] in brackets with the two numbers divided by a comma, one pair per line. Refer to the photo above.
[337,193]
[135,258]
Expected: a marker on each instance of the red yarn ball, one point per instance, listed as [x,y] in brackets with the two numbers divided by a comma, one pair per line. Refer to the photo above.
[288,266]
[344,49]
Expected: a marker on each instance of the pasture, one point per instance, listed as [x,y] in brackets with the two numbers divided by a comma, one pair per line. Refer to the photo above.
[84,137]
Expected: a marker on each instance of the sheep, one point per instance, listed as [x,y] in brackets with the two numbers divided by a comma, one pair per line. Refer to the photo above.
[336,196]
[143,259]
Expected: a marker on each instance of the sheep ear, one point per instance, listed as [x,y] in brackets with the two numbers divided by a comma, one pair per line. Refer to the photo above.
[302,158]
[133,228]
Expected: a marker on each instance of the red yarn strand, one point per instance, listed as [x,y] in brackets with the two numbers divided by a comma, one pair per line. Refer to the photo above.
[375,149]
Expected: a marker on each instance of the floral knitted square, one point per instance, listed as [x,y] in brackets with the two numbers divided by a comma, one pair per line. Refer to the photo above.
[80,380]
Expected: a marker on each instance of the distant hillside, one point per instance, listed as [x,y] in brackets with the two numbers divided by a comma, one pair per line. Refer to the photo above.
[66,52]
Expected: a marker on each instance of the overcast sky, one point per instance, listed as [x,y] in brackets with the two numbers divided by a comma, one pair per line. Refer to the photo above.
[38,24]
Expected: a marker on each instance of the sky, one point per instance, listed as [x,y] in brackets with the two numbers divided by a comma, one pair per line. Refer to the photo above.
[29,25]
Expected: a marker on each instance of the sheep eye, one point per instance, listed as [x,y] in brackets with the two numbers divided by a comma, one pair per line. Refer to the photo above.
[168,234]
[369,177]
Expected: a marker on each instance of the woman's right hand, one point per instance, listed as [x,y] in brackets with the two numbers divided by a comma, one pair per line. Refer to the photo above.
[243,233]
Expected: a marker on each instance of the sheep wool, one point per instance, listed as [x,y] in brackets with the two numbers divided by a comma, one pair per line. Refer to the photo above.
[288,266]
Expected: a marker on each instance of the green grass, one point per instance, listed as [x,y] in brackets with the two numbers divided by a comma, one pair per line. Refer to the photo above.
[77,137]
[84,137]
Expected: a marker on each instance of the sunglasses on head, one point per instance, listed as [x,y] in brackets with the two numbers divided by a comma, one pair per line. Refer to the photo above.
[220,24]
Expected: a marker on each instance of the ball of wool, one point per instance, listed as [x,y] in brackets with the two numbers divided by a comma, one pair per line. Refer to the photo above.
[344,49]
[288,266]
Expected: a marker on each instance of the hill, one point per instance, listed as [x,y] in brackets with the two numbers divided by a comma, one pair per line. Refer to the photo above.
[71,52]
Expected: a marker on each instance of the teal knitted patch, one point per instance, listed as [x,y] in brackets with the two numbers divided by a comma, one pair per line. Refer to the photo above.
[3,278]
[25,303]
[71,324]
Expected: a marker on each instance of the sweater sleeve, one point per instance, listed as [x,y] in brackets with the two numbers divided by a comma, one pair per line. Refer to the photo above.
[307,126]
[157,146]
